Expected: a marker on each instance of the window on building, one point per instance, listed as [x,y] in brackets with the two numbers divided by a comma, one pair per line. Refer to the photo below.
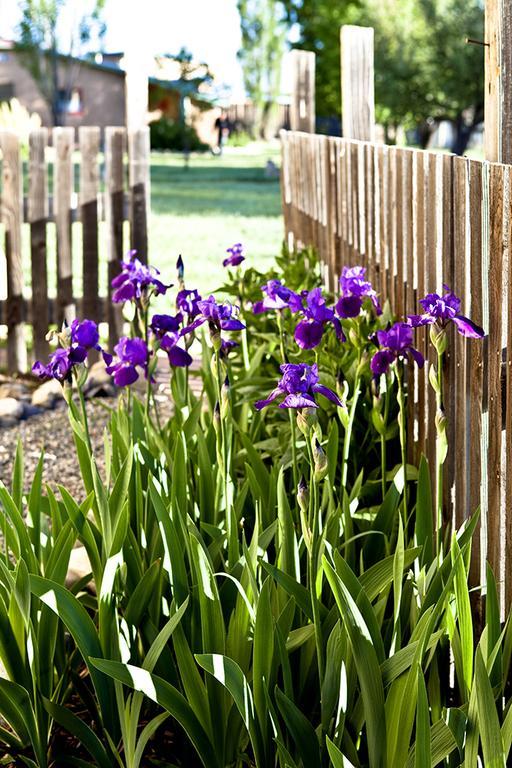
[71,102]
[6,91]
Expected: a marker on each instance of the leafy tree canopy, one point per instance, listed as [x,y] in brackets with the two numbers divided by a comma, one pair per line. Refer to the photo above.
[264,32]
[40,40]
[423,66]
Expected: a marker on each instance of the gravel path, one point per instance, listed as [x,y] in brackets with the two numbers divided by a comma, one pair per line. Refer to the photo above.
[51,430]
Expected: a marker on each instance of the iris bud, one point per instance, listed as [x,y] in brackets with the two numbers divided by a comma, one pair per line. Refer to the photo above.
[378,421]
[440,420]
[180,268]
[354,337]
[432,377]
[303,495]
[442,440]
[216,417]
[438,338]
[215,337]
[306,420]
[225,396]
[320,459]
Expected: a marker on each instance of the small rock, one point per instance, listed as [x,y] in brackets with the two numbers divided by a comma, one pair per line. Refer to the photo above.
[79,566]
[47,394]
[30,410]
[14,389]
[99,382]
[11,411]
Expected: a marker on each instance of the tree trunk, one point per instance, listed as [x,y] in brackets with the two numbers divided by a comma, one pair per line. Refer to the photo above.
[462,135]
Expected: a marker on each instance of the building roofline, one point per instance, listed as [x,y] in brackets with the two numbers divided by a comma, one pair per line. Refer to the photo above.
[67,57]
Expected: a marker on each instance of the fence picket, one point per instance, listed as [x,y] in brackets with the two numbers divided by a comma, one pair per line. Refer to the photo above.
[63,139]
[38,216]
[138,153]
[12,214]
[115,139]
[89,140]
[495,213]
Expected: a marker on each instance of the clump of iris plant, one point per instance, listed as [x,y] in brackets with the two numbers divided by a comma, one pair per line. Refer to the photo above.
[395,345]
[298,386]
[355,288]
[236,256]
[316,315]
[438,312]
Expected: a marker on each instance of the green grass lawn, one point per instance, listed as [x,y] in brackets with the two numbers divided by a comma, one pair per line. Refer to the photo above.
[201,210]
[197,211]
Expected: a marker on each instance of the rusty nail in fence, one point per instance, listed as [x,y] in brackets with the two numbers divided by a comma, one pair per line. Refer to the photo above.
[476,42]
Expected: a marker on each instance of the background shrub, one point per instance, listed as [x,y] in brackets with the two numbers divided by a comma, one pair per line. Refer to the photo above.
[179,137]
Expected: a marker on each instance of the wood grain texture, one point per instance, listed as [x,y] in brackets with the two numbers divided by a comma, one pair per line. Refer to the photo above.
[11,210]
[459,413]
[498,81]
[138,156]
[474,365]
[38,216]
[494,358]
[357,83]
[63,186]
[89,142]
[302,107]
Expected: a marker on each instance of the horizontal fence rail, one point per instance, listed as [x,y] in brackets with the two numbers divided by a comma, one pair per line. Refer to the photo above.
[91,180]
[418,220]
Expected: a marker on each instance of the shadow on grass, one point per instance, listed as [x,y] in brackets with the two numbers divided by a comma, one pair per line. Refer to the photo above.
[214,190]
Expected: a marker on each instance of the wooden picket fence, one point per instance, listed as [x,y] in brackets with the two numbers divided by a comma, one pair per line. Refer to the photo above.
[418,220]
[113,190]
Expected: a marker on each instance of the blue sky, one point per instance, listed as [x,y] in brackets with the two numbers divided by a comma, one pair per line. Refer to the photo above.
[208,28]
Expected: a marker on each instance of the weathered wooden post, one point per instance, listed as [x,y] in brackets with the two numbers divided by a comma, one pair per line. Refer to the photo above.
[496,515]
[302,108]
[12,215]
[498,81]
[357,83]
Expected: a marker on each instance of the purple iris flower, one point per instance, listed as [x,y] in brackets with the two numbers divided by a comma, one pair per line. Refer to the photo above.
[83,336]
[177,356]
[131,354]
[278,296]
[445,309]
[355,288]
[187,302]
[84,333]
[236,255]
[220,316]
[162,324]
[317,314]
[299,384]
[60,363]
[135,281]
[394,343]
